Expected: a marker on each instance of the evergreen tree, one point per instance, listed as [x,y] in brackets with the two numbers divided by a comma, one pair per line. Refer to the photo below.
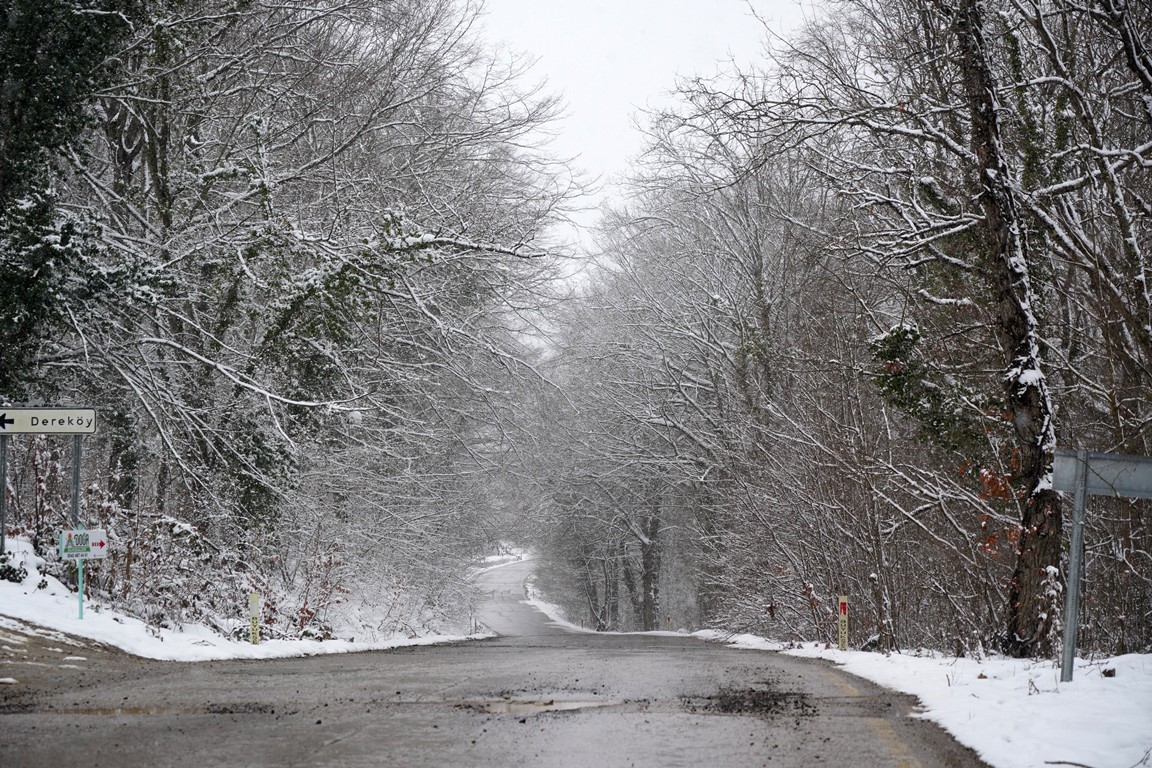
[54,54]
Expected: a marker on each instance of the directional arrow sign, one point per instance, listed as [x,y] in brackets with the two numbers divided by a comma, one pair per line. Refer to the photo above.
[83,544]
[44,421]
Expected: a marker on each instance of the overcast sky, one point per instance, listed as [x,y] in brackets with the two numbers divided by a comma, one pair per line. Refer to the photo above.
[607,58]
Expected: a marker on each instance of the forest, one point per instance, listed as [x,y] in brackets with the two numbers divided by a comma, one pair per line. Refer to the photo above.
[306,261]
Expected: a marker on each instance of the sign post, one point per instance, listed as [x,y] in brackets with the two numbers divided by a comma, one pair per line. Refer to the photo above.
[43,421]
[1102,474]
[80,545]
[48,421]
[842,623]
[3,490]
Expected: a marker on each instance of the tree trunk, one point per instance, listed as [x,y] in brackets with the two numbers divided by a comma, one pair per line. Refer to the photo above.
[612,589]
[1031,617]
[593,596]
[634,596]
[650,576]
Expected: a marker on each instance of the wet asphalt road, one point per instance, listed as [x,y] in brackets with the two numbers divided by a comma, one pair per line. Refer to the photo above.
[535,696]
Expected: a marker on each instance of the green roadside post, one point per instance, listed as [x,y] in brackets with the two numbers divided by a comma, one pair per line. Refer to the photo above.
[76,516]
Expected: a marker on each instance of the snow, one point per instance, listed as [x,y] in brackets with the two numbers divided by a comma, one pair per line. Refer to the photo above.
[1030,378]
[496,561]
[1014,713]
[57,608]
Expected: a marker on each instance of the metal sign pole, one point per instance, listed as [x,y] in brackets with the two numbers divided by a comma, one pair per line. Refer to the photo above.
[76,481]
[80,586]
[1085,473]
[76,516]
[3,490]
[1075,568]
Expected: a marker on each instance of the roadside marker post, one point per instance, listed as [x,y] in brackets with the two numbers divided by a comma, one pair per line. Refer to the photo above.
[254,618]
[842,622]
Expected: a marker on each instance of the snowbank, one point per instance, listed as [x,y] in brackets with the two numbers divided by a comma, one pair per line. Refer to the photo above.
[55,607]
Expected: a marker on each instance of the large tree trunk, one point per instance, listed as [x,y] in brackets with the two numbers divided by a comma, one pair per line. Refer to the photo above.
[650,575]
[1031,594]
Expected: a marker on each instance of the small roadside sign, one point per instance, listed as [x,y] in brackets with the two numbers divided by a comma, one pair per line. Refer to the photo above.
[842,623]
[47,421]
[85,544]
[82,544]
[254,618]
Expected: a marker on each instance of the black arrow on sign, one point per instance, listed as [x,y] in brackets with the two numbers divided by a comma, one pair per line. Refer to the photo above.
[5,421]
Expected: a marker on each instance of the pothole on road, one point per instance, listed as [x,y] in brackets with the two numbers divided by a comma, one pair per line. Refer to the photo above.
[753,701]
[523,707]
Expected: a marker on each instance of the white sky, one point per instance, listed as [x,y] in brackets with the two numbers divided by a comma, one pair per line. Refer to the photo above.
[607,58]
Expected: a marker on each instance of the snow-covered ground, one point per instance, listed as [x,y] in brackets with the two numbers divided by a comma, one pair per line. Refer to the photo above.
[57,608]
[1015,714]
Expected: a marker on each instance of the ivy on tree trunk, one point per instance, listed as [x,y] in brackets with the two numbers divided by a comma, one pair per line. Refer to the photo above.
[1030,606]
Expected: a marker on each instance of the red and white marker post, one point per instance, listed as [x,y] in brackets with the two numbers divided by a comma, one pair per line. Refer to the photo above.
[843,622]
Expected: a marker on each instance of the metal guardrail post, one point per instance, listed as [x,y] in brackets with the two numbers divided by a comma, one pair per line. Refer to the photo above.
[1075,568]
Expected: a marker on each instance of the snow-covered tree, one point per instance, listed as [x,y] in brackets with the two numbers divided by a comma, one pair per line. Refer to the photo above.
[313,227]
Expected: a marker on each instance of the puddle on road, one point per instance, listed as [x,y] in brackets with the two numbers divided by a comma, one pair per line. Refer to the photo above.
[214,709]
[123,711]
[521,707]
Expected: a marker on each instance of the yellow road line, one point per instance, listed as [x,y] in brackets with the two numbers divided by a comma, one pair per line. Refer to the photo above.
[893,743]
[842,684]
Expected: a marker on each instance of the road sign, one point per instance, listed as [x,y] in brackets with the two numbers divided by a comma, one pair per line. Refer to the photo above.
[1108,474]
[1085,473]
[47,421]
[43,421]
[83,544]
